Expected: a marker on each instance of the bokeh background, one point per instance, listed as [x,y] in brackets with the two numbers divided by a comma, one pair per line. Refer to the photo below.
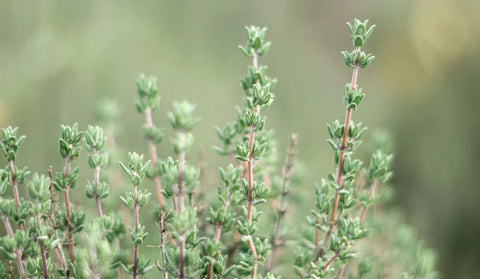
[58,59]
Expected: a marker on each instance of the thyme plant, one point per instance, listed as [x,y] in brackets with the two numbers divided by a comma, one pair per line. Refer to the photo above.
[183,259]
[336,228]
[94,143]
[44,235]
[70,220]
[147,103]
[134,200]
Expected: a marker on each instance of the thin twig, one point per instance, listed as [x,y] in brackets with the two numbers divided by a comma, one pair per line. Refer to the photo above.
[69,214]
[335,256]
[15,189]
[96,197]
[153,156]
[287,174]
[179,207]
[18,254]
[341,272]
[43,252]
[339,172]
[371,193]
[135,220]
[162,229]
[373,187]
[121,273]
[181,246]
[57,251]
[52,193]
[250,164]
[181,162]
[218,231]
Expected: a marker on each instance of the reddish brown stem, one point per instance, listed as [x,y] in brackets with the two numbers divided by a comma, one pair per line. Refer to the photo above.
[179,207]
[250,175]
[210,271]
[153,156]
[69,225]
[18,257]
[250,165]
[43,252]
[52,193]
[330,261]
[181,161]
[371,193]
[97,198]
[69,214]
[16,196]
[8,227]
[339,172]
[59,252]
[182,258]
[289,162]
[163,231]
[218,233]
[335,256]
[251,245]
[174,202]
[18,254]
[57,256]
[14,184]
[136,223]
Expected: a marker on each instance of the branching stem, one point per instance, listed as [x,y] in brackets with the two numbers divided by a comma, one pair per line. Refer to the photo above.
[218,232]
[162,228]
[332,259]
[58,251]
[18,254]
[373,187]
[339,172]
[371,194]
[287,174]
[43,252]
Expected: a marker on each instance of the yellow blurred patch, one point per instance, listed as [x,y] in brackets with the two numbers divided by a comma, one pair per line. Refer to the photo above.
[442,31]
[400,73]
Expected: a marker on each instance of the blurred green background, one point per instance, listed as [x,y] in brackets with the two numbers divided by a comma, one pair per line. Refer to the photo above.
[59,58]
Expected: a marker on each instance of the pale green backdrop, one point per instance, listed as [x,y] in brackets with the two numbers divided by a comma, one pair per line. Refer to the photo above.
[59,58]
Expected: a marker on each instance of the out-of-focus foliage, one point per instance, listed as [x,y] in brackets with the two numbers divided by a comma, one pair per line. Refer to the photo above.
[60,59]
